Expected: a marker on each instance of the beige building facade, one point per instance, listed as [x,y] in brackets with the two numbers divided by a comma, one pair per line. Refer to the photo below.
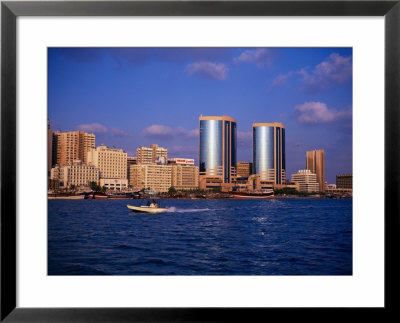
[116,184]
[57,174]
[306,180]
[151,155]
[72,145]
[156,177]
[244,169]
[111,162]
[160,154]
[144,155]
[49,147]
[315,162]
[184,177]
[81,175]
[76,174]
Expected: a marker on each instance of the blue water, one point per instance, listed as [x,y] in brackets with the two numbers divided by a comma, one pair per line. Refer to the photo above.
[201,237]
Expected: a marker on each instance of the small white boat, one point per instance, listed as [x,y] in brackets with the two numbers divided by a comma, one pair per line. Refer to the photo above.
[147,209]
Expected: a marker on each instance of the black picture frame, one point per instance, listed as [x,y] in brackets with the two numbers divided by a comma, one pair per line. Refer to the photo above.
[10,10]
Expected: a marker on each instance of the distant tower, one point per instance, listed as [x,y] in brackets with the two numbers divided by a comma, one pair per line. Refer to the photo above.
[217,156]
[269,151]
[315,160]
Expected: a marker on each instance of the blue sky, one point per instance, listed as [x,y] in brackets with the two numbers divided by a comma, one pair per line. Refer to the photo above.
[132,97]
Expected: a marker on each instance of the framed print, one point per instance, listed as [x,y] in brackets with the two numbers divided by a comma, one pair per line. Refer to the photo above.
[232,96]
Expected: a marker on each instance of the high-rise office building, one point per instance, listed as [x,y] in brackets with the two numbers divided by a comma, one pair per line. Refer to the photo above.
[315,160]
[151,155]
[269,152]
[217,155]
[72,145]
[144,155]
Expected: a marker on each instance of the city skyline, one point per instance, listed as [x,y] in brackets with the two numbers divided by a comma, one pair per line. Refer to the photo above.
[136,97]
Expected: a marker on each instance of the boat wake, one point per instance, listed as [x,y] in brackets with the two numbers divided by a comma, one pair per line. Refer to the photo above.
[176,210]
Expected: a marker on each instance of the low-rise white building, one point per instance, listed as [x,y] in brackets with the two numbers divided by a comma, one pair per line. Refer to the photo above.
[306,180]
[117,184]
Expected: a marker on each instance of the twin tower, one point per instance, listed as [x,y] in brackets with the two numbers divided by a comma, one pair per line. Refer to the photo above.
[218,150]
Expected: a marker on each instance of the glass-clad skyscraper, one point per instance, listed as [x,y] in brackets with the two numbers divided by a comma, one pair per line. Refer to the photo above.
[217,147]
[269,151]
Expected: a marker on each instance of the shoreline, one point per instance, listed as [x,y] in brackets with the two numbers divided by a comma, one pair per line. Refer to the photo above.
[278,197]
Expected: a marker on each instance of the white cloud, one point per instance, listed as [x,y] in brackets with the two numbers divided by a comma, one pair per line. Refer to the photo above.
[96,128]
[335,69]
[260,57]
[216,71]
[119,133]
[158,131]
[281,79]
[318,112]
[164,132]
[194,133]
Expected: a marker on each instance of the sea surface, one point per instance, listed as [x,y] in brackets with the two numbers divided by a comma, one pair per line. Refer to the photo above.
[201,237]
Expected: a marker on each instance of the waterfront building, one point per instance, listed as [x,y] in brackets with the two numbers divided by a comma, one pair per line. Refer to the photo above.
[153,176]
[151,155]
[53,149]
[76,173]
[306,180]
[111,162]
[244,169]
[71,145]
[49,148]
[116,184]
[207,182]
[53,184]
[269,152]
[217,153]
[344,181]
[130,161]
[79,174]
[184,177]
[315,161]
[57,174]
